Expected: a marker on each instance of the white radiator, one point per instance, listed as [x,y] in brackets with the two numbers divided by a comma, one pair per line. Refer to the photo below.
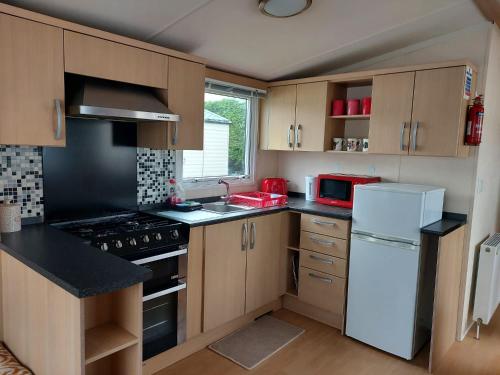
[488,280]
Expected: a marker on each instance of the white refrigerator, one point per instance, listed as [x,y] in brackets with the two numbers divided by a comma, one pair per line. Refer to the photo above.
[391,274]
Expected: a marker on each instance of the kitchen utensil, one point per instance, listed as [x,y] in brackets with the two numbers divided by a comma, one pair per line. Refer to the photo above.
[366,105]
[353,144]
[338,144]
[338,107]
[274,185]
[353,107]
[311,183]
[365,144]
[10,217]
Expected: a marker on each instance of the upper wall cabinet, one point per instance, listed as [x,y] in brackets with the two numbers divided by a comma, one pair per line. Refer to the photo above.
[31,83]
[297,117]
[186,97]
[419,113]
[95,57]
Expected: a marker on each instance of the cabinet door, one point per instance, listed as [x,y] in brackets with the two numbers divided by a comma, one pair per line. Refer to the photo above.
[392,97]
[439,107]
[96,57]
[225,264]
[31,81]
[186,97]
[281,117]
[312,113]
[263,254]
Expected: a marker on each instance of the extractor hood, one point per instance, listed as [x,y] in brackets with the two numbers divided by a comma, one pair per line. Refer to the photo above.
[103,99]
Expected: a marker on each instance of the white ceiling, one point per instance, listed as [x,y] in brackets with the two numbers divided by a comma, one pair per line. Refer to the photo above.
[233,35]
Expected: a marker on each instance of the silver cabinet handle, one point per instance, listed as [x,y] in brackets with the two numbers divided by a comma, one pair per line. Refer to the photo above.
[253,235]
[321,242]
[320,222]
[402,145]
[414,136]
[58,131]
[324,279]
[290,129]
[176,133]
[244,237]
[298,129]
[322,260]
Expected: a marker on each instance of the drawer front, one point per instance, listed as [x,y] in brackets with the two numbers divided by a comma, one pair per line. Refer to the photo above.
[323,244]
[322,290]
[323,263]
[325,225]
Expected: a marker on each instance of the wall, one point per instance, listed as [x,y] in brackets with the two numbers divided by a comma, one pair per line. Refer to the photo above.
[486,206]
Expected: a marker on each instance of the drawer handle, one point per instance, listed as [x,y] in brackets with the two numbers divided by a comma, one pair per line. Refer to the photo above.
[322,260]
[324,279]
[322,242]
[320,222]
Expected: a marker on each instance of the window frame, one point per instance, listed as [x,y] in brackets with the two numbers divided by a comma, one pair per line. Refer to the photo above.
[208,186]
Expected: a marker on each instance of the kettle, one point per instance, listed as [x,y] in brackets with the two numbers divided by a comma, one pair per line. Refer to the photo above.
[311,182]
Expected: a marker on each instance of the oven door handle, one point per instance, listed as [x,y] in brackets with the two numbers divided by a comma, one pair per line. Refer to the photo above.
[182,285]
[160,257]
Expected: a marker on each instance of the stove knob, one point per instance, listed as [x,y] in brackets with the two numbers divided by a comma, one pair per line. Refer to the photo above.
[104,246]
[145,239]
[118,244]
[158,236]
[132,242]
[174,234]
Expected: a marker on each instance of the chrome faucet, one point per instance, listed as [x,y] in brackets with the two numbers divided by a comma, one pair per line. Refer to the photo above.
[226,198]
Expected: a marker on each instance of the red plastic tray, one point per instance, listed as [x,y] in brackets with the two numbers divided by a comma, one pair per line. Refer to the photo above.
[259,200]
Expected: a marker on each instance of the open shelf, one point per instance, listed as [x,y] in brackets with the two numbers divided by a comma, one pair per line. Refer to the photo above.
[348,152]
[352,117]
[105,340]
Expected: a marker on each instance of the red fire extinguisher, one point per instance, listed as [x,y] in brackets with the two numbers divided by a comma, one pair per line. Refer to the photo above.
[475,116]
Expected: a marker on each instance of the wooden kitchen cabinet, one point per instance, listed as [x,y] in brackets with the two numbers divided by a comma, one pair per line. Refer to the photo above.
[263,257]
[31,83]
[298,117]
[225,265]
[186,97]
[419,113]
[241,268]
[95,57]
[392,99]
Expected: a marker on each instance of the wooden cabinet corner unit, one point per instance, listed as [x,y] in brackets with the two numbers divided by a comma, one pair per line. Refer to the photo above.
[37,51]
[416,110]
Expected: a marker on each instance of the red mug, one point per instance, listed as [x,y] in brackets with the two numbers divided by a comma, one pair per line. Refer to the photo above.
[338,107]
[366,105]
[353,107]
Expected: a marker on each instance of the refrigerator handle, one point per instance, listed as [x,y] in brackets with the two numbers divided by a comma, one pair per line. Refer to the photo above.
[385,242]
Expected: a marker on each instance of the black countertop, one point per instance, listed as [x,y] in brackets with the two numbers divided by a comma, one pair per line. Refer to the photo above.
[442,227]
[65,260]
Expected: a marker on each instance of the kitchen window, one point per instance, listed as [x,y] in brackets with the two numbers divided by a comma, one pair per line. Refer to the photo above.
[229,145]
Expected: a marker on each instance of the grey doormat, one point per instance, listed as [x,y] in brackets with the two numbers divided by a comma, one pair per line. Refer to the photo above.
[253,344]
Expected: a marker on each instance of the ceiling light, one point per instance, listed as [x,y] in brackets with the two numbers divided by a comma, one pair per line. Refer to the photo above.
[283,8]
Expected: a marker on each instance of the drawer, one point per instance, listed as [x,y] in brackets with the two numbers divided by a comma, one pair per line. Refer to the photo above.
[322,290]
[323,244]
[324,263]
[325,225]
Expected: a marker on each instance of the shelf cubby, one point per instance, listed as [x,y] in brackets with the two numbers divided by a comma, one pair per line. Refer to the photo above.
[105,340]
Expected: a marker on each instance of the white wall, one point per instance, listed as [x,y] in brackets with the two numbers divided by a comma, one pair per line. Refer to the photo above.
[486,207]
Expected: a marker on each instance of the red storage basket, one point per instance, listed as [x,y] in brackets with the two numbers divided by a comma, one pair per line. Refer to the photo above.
[259,200]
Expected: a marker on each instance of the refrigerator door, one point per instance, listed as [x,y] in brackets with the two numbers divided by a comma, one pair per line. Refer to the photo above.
[383,278]
[395,211]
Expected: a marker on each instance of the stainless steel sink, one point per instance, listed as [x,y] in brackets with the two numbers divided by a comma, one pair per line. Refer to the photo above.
[222,208]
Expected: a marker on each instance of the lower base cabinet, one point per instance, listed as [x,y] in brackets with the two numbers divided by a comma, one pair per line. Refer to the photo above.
[241,268]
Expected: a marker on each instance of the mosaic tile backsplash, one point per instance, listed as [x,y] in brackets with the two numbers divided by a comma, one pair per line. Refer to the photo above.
[154,169]
[21,177]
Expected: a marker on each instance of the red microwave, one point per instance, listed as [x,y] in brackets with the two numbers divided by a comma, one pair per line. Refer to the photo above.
[338,189]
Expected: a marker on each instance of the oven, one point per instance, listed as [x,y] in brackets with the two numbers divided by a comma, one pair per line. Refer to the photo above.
[338,189]
[164,301]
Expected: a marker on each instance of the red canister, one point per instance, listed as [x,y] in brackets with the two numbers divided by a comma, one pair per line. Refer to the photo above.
[338,107]
[366,105]
[353,107]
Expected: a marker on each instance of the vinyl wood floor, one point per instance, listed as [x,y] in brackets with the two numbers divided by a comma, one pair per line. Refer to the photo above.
[323,351]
